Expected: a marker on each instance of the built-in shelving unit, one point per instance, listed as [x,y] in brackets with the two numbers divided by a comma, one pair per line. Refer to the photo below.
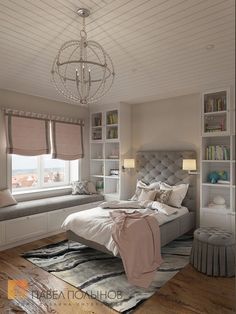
[217,156]
[109,144]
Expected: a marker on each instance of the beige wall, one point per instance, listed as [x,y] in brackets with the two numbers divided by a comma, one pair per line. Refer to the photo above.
[172,123]
[168,124]
[36,104]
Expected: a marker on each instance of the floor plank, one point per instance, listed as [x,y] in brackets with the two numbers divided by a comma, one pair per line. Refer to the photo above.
[189,292]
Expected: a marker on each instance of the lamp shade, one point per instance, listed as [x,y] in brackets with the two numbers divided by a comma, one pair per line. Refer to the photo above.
[129,163]
[189,164]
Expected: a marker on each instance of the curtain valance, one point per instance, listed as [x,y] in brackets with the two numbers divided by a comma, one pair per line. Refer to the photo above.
[33,134]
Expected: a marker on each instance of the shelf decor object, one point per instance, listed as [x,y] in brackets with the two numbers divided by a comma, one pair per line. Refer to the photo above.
[82,70]
[217,160]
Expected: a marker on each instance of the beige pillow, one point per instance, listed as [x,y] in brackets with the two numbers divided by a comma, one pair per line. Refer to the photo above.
[91,188]
[6,199]
[147,195]
[142,185]
[178,193]
[163,196]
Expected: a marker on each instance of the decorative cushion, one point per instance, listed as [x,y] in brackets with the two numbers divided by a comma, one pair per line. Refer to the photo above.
[6,198]
[178,193]
[79,187]
[91,188]
[147,195]
[163,196]
[83,188]
[155,185]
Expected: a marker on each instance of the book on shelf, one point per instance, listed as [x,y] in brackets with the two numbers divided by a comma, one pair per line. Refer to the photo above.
[112,118]
[214,128]
[97,121]
[215,104]
[217,152]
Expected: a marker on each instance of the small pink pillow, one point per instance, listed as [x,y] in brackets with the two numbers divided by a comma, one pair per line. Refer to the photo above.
[6,199]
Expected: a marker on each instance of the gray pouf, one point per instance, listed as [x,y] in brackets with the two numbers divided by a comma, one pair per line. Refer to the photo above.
[213,252]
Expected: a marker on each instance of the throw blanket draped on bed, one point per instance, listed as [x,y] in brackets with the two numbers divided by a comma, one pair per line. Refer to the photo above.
[137,236]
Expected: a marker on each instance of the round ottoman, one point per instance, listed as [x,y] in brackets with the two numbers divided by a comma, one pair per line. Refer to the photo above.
[213,252]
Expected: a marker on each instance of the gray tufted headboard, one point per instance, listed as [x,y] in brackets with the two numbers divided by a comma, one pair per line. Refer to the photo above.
[166,166]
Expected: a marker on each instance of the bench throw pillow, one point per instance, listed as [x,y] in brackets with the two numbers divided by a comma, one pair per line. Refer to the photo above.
[83,188]
[6,198]
[80,187]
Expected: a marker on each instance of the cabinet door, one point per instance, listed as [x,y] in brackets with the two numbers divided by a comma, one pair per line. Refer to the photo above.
[2,233]
[25,227]
[55,219]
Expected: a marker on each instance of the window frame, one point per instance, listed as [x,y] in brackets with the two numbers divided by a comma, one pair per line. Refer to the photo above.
[41,186]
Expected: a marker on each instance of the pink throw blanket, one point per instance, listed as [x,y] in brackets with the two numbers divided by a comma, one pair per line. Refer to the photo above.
[137,237]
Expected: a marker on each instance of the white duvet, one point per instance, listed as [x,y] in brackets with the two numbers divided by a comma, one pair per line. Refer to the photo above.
[96,225]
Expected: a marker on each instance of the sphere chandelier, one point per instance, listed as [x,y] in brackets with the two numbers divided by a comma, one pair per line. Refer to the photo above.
[82,71]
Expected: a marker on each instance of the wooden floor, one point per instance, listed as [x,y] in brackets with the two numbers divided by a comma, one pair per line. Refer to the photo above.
[187,293]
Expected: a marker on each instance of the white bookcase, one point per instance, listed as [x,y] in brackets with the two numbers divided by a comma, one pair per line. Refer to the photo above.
[217,155]
[110,143]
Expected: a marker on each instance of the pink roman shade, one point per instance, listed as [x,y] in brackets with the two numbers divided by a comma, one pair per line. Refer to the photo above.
[27,136]
[67,141]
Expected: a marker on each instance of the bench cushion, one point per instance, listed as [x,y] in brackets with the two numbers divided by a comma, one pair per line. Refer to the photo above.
[45,205]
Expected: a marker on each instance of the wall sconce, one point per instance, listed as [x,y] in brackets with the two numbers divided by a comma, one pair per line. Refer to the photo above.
[128,164]
[190,165]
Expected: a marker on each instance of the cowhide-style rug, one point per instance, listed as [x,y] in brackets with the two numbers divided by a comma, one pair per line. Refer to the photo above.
[102,276]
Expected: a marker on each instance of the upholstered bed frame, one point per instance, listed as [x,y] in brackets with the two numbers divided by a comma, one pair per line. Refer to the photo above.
[165,166]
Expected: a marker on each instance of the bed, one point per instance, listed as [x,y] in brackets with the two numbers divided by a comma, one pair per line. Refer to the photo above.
[165,166]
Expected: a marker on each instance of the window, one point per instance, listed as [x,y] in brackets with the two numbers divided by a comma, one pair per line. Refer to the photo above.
[37,172]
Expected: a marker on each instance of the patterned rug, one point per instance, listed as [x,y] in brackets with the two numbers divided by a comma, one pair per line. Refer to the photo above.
[102,276]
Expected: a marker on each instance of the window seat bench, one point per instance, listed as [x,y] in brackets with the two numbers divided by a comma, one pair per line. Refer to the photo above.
[31,220]
[43,205]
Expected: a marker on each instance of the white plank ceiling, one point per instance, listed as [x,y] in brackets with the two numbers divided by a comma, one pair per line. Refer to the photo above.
[158,46]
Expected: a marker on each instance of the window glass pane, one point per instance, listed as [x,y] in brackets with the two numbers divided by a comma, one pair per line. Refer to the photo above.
[54,170]
[24,172]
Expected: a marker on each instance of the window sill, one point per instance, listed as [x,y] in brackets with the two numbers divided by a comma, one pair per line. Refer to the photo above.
[41,193]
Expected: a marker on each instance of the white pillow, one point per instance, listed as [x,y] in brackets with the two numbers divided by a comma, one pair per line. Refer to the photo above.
[6,198]
[147,195]
[142,185]
[178,193]
[163,208]
[154,185]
